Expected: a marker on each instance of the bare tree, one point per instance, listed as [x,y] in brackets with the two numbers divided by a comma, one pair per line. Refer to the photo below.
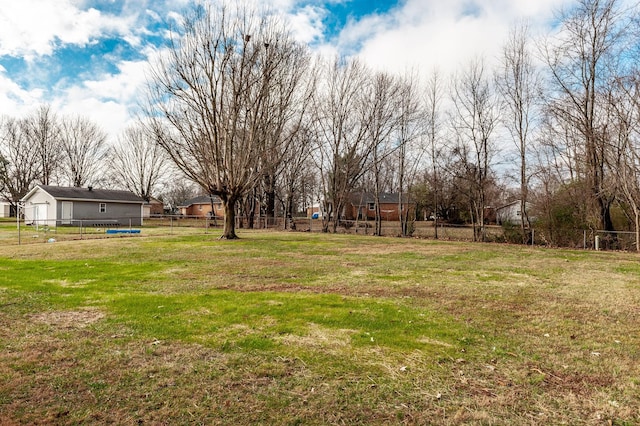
[288,104]
[19,160]
[382,103]
[475,115]
[137,162]
[342,131]
[293,176]
[4,176]
[42,128]
[519,85]
[177,190]
[410,131]
[83,150]
[586,57]
[433,106]
[217,95]
[624,106]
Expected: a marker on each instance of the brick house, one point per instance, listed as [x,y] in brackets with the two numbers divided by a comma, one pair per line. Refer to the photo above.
[202,206]
[361,205]
[153,207]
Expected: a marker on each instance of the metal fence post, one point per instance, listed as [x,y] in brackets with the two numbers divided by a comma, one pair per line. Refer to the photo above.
[18,220]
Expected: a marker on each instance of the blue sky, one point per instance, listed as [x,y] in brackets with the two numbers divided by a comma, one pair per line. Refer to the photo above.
[88,56]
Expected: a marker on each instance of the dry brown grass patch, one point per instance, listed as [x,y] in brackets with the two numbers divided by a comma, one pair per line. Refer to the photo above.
[69,319]
[327,339]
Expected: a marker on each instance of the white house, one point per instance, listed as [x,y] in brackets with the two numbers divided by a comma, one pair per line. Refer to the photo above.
[511,213]
[57,205]
[5,209]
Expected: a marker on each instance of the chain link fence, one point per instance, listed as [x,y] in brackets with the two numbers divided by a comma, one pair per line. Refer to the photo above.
[18,232]
[49,231]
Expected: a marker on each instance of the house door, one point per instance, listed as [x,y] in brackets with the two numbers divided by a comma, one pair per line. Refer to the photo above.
[67,212]
[39,215]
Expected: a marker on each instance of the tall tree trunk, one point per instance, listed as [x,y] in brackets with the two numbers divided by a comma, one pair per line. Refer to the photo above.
[336,221]
[326,214]
[435,202]
[483,234]
[637,223]
[270,199]
[229,205]
[213,211]
[376,203]
[474,223]
[289,223]
[336,210]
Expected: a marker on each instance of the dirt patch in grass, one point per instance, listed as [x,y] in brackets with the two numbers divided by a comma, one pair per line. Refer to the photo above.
[69,319]
[321,338]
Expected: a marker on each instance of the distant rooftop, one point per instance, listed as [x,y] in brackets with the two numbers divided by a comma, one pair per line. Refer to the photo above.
[97,194]
[202,199]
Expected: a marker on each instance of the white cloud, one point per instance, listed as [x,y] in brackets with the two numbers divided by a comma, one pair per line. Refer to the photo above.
[153,14]
[440,34]
[108,100]
[110,115]
[306,24]
[121,86]
[34,27]
[14,100]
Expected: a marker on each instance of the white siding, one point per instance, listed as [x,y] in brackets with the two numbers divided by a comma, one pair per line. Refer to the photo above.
[43,204]
[5,209]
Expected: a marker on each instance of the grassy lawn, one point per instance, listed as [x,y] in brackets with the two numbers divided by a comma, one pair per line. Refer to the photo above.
[300,328]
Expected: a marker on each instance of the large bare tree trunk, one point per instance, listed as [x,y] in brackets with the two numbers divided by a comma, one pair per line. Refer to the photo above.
[229,229]
[637,224]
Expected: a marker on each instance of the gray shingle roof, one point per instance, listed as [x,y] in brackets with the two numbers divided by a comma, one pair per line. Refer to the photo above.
[94,194]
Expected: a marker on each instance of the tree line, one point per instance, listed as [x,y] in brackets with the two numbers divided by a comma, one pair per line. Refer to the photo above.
[46,148]
[252,116]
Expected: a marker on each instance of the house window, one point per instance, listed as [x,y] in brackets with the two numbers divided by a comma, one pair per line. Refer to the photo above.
[102,208]
[518,213]
[200,207]
[372,206]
